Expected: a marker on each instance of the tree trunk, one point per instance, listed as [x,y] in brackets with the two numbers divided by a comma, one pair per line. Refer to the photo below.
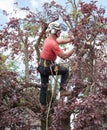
[66,122]
[26,60]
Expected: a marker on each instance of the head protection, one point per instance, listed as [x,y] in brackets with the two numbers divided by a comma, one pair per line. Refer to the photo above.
[54,27]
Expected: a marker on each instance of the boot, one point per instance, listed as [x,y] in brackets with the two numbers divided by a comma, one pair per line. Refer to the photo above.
[42,108]
[65,93]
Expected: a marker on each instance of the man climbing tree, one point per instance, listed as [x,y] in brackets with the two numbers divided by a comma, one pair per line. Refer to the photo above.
[47,64]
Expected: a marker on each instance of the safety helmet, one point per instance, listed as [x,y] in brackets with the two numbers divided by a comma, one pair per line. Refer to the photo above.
[54,27]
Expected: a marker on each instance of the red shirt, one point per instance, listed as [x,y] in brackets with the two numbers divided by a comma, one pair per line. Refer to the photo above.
[50,49]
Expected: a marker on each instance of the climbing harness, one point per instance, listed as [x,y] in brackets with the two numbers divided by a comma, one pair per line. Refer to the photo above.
[48,63]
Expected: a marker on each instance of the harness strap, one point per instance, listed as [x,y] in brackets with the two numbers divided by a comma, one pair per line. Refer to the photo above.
[56,68]
[45,62]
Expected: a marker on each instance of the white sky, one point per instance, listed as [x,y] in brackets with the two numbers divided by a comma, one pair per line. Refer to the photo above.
[32,4]
[8,6]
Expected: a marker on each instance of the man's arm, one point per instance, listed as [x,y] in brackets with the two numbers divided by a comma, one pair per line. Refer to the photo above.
[65,41]
[66,54]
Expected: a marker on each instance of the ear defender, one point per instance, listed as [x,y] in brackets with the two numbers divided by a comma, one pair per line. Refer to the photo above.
[53,31]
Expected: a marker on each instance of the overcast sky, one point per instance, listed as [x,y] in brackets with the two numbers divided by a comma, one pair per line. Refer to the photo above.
[32,4]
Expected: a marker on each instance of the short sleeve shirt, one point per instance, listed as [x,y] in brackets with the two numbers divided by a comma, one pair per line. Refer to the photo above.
[50,50]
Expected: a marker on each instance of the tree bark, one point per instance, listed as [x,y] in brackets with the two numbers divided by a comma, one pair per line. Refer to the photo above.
[26,61]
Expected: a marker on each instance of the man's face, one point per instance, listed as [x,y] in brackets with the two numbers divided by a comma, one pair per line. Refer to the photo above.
[58,33]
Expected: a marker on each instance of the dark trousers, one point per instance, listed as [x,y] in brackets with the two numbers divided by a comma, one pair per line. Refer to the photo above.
[45,72]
